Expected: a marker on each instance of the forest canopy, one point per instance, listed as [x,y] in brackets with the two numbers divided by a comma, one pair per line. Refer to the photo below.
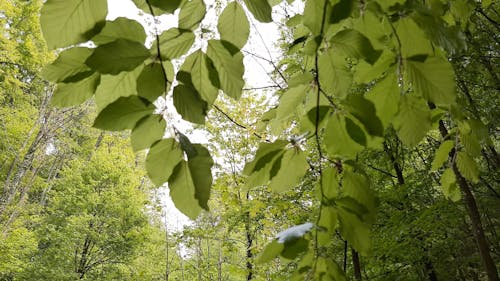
[372,156]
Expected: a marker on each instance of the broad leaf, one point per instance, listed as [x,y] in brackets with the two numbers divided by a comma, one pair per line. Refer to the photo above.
[407,31]
[467,167]
[183,191]
[120,28]
[114,86]
[293,167]
[313,15]
[68,22]
[117,56]
[260,9]
[413,120]
[233,25]
[230,68]
[357,187]
[173,43]
[433,79]
[152,82]
[294,248]
[159,6]
[161,160]
[271,251]
[202,73]
[123,114]
[69,63]
[449,185]
[189,105]
[290,100]
[147,131]
[355,231]
[364,110]
[385,96]
[442,154]
[70,94]
[330,183]
[356,45]
[264,150]
[334,77]
[337,141]
[200,166]
[191,14]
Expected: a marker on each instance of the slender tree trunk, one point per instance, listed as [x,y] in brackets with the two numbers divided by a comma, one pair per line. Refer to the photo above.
[356,264]
[219,263]
[249,238]
[473,212]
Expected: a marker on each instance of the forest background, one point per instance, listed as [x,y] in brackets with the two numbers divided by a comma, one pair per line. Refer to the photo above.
[371,155]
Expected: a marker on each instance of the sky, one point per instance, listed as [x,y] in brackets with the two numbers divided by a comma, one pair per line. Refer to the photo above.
[256,70]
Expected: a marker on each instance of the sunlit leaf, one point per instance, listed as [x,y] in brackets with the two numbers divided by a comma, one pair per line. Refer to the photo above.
[413,120]
[174,43]
[233,25]
[356,45]
[260,9]
[189,104]
[271,251]
[152,82]
[120,28]
[68,22]
[230,68]
[69,63]
[467,167]
[70,94]
[442,154]
[449,185]
[117,56]
[161,160]
[123,114]
[147,131]
[191,14]
[293,167]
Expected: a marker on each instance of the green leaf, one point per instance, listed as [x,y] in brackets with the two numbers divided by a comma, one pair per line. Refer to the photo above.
[467,167]
[293,167]
[189,105]
[152,82]
[327,224]
[355,231]
[230,68]
[70,94]
[357,186]
[313,15]
[341,10]
[69,63]
[68,22]
[233,25]
[294,248]
[442,154]
[330,183]
[337,141]
[123,114]
[290,100]
[264,149]
[364,110]
[117,56]
[183,191]
[161,160]
[173,43]
[385,97]
[202,73]
[271,251]
[356,45]
[355,132]
[433,79]
[114,86]
[413,120]
[407,31]
[449,185]
[159,6]
[191,14]
[334,77]
[120,28]
[147,131]
[365,72]
[260,9]
[200,167]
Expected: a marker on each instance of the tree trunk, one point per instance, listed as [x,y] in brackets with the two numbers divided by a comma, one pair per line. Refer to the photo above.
[356,264]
